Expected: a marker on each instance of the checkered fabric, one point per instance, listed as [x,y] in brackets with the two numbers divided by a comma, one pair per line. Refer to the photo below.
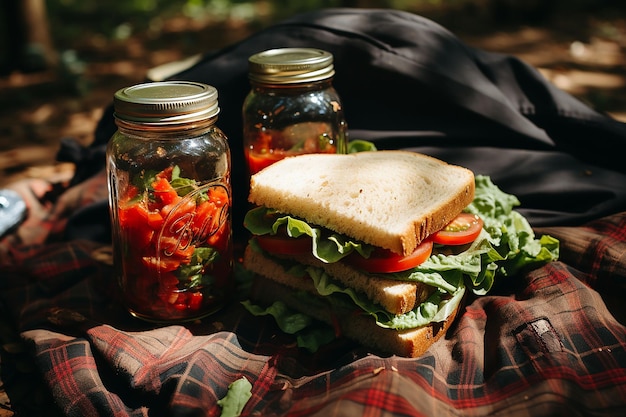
[546,343]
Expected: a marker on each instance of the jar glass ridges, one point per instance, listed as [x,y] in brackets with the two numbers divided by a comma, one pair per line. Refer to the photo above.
[168,169]
[292,107]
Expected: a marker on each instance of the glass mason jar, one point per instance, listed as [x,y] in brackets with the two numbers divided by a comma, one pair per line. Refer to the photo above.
[292,107]
[168,168]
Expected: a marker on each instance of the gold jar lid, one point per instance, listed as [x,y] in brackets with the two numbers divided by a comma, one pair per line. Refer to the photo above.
[290,66]
[166,102]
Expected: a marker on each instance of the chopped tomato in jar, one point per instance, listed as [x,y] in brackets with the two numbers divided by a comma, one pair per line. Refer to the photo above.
[175,238]
[271,146]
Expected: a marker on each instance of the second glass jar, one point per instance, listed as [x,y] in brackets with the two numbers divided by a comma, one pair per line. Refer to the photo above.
[292,107]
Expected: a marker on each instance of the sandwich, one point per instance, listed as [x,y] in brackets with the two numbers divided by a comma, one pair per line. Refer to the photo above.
[380,244]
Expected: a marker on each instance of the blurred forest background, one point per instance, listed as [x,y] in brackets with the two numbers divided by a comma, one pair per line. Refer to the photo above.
[56,79]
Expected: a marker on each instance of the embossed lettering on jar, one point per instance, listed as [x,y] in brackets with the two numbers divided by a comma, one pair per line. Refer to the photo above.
[168,169]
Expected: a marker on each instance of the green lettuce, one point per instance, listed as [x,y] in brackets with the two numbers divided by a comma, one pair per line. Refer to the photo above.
[287,322]
[308,334]
[239,392]
[358,145]
[439,305]
[327,247]
[506,246]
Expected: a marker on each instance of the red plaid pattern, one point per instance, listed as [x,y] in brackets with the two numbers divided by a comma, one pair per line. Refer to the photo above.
[550,342]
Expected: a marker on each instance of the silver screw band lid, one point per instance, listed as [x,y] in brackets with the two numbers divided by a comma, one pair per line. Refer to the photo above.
[166,102]
[290,66]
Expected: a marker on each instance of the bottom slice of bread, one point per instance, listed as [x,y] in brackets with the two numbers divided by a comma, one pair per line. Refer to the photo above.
[359,327]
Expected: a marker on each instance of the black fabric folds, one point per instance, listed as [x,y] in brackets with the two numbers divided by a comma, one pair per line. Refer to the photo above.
[408,83]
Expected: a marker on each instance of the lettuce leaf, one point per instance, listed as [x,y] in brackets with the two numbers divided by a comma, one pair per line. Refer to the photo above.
[309,335]
[287,321]
[239,392]
[439,305]
[510,244]
[327,247]
[358,145]
[506,246]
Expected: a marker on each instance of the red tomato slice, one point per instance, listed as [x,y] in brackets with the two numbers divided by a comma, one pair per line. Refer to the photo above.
[283,245]
[465,228]
[385,261]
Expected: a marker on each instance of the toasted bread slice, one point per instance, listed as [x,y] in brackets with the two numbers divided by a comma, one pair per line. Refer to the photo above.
[397,297]
[391,199]
[358,327]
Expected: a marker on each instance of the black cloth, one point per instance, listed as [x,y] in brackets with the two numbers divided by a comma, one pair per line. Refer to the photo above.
[408,83]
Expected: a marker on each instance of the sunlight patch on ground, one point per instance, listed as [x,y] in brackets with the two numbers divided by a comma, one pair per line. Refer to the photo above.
[598,52]
[579,82]
[621,116]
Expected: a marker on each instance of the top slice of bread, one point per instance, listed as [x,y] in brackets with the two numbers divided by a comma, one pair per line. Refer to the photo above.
[391,199]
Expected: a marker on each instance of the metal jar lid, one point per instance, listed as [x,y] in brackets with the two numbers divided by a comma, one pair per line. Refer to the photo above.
[290,65]
[166,102]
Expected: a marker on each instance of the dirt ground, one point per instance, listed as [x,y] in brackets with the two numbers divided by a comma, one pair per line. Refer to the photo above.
[583,55]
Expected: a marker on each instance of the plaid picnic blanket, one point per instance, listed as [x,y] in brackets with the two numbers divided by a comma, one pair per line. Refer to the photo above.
[545,343]
[550,342]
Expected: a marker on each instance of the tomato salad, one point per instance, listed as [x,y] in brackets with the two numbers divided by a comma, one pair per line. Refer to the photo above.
[176,243]
[269,146]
